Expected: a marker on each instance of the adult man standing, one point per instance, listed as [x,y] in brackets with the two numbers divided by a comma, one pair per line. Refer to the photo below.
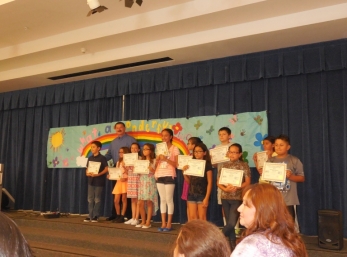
[122,139]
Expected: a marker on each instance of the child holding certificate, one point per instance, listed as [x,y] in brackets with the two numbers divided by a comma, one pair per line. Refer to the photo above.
[96,181]
[232,195]
[120,189]
[192,142]
[269,148]
[199,187]
[148,194]
[133,187]
[224,135]
[294,173]
[165,173]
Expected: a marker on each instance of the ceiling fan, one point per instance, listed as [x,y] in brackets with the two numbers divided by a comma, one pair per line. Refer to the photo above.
[95,7]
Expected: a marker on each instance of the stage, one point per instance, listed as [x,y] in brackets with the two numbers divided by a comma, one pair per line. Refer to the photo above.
[69,236]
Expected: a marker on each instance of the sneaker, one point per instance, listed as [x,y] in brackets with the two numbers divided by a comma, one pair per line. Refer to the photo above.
[138,226]
[135,222]
[145,226]
[95,219]
[120,219]
[110,218]
[129,222]
[86,220]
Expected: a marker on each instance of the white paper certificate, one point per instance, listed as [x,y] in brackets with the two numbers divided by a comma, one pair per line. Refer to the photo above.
[219,154]
[141,167]
[115,173]
[161,148]
[93,167]
[231,177]
[196,168]
[183,161]
[261,159]
[274,172]
[130,158]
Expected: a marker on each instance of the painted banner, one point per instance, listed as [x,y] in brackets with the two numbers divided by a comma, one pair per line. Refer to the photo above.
[69,147]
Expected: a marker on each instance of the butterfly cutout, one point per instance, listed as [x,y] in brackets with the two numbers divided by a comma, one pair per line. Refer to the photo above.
[198,125]
[259,119]
[233,119]
[210,130]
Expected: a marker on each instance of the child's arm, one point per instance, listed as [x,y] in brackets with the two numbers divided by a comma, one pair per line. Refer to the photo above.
[295,178]
[298,174]
[186,177]
[104,171]
[246,183]
[163,158]
[209,188]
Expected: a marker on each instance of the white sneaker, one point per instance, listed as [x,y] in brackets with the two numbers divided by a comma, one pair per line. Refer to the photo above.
[129,222]
[135,222]
[138,226]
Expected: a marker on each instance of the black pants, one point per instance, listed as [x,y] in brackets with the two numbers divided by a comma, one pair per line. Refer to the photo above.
[291,211]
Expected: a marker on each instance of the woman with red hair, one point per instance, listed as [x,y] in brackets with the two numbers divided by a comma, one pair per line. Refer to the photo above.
[270,230]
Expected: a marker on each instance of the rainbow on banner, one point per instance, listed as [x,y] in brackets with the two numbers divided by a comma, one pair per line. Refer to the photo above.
[142,137]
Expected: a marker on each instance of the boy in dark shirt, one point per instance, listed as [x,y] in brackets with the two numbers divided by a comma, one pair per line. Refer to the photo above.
[96,173]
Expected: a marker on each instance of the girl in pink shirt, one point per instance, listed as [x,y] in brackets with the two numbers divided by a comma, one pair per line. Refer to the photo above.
[165,173]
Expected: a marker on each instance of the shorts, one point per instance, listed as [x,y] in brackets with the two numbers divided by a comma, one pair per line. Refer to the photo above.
[166,180]
[195,198]
[121,187]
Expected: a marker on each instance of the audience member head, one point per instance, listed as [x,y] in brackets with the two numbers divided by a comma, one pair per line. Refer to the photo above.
[199,238]
[264,210]
[12,241]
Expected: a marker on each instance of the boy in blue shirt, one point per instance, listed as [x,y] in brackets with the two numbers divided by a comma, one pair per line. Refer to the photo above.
[96,181]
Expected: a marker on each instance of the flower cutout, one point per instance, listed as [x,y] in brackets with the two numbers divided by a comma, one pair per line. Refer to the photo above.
[177,128]
[259,143]
[55,162]
[66,162]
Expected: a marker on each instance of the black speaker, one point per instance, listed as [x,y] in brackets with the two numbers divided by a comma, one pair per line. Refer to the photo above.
[330,229]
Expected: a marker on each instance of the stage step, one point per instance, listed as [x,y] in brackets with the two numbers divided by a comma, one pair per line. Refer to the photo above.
[67,237]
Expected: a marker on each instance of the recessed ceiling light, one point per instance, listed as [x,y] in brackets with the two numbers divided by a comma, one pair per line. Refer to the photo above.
[5,1]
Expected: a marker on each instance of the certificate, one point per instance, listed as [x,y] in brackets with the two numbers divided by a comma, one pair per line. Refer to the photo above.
[183,161]
[196,168]
[219,154]
[141,167]
[275,172]
[161,148]
[93,167]
[261,159]
[130,158]
[231,177]
[115,173]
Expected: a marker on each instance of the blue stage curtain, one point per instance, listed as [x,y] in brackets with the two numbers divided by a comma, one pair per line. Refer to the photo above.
[302,88]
